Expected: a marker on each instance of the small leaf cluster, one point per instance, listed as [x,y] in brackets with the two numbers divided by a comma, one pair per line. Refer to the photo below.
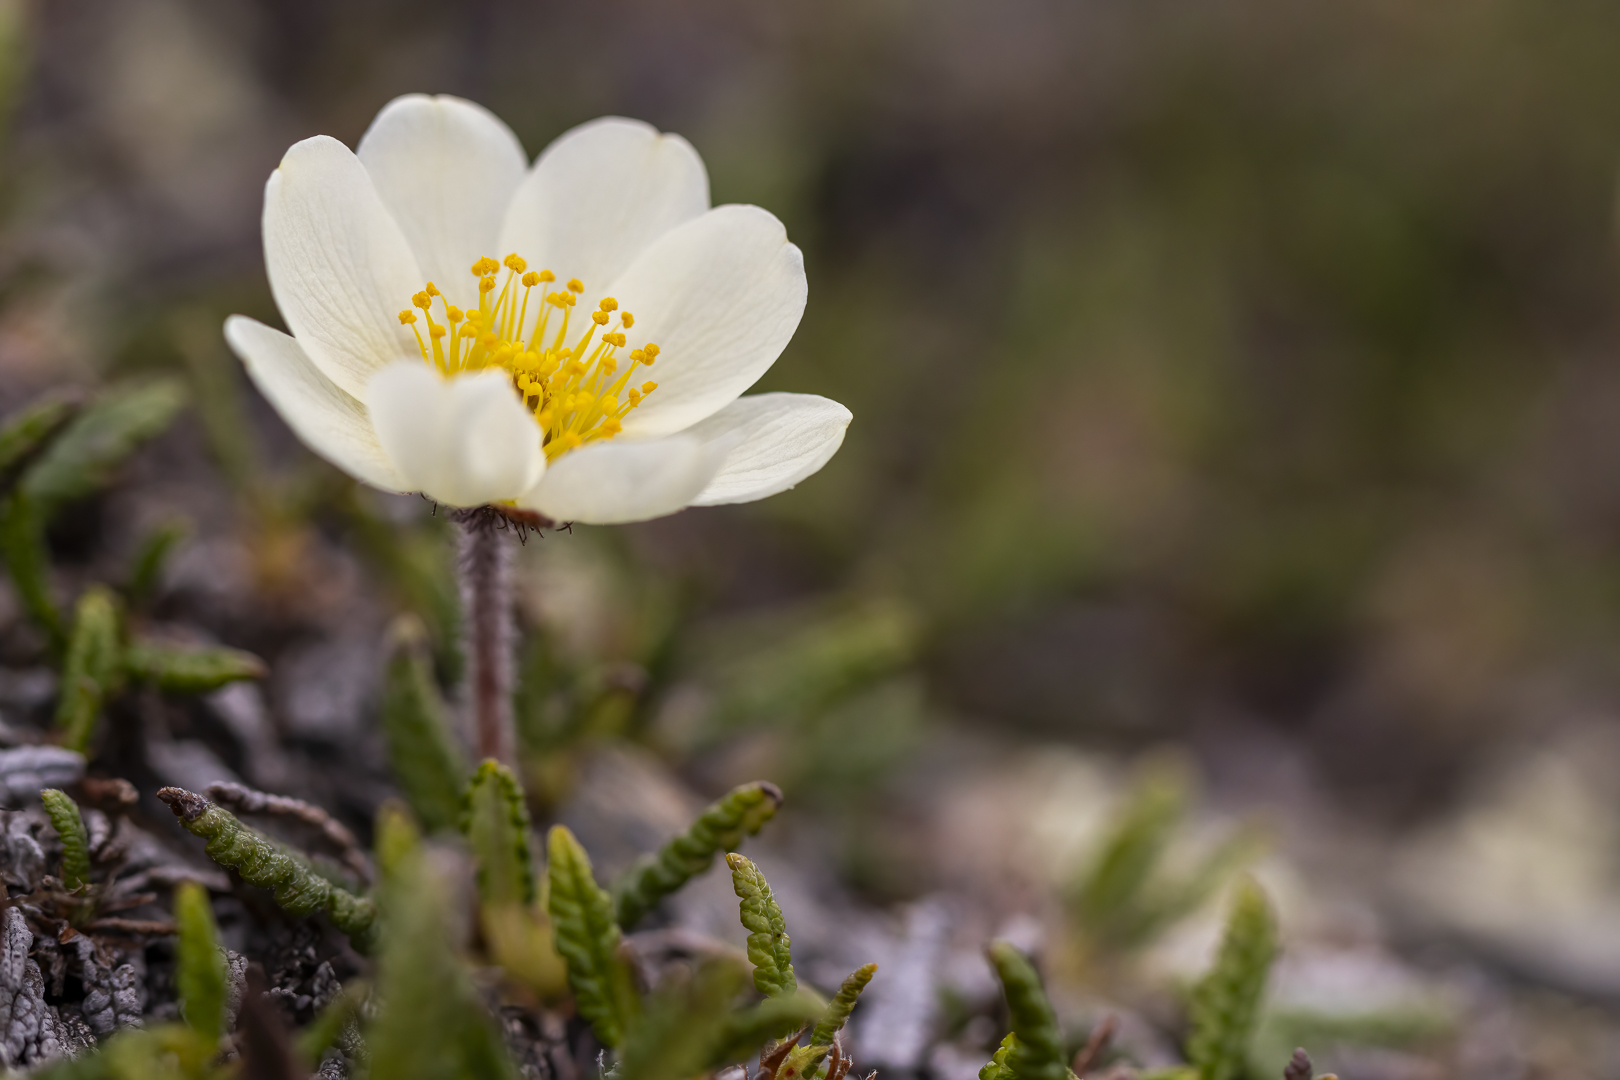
[1224,1008]
[1125,897]
[78,893]
[53,452]
[694,1026]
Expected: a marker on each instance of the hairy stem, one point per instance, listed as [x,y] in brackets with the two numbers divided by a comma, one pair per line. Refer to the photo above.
[486,598]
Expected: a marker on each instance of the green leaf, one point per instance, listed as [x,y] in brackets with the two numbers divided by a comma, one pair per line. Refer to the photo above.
[26,432]
[22,543]
[496,821]
[742,812]
[297,888]
[1037,1053]
[842,1004]
[746,1030]
[997,1068]
[1106,899]
[1226,1003]
[588,940]
[151,559]
[426,759]
[397,836]
[190,671]
[770,949]
[91,672]
[433,1026]
[676,1034]
[69,825]
[199,962]
[83,458]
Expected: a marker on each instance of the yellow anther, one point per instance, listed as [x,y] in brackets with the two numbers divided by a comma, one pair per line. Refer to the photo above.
[570,384]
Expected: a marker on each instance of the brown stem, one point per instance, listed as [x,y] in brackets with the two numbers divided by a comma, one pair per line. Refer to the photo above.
[486,602]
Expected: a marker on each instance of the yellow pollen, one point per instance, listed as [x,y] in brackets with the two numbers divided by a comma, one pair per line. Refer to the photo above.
[566,371]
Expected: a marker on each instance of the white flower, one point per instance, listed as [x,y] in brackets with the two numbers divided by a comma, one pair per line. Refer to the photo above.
[594,374]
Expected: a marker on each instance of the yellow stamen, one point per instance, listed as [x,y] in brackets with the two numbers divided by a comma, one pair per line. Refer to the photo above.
[571,381]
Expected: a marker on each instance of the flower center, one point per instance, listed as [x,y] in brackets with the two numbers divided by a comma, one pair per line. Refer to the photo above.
[568,375]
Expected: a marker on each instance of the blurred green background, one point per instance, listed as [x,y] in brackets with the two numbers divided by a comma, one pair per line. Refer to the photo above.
[1236,374]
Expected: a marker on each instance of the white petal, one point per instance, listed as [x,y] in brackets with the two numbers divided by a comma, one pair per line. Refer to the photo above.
[779,440]
[339,267]
[721,296]
[330,421]
[446,170]
[464,441]
[599,195]
[610,483]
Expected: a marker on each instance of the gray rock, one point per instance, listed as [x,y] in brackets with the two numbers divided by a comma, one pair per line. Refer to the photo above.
[898,1012]
[188,764]
[236,966]
[22,860]
[115,993]
[31,1032]
[24,770]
